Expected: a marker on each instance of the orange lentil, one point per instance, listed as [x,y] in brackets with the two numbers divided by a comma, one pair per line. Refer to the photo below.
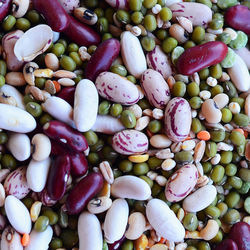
[57,86]
[162,240]
[25,240]
[203,135]
[188,138]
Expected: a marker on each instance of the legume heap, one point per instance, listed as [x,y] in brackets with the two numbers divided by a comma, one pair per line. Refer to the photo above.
[124,124]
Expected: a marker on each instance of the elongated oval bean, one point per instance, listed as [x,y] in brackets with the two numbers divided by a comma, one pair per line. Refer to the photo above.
[79,164]
[83,192]
[201,56]
[102,59]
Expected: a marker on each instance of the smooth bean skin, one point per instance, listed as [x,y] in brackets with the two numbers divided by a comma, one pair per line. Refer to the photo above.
[58,177]
[81,34]
[238,18]
[199,57]
[240,233]
[83,192]
[227,244]
[58,22]
[117,244]
[102,59]
[57,148]
[79,164]
[4,9]
[63,133]
[67,94]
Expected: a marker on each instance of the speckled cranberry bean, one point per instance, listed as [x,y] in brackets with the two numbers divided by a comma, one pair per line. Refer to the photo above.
[118,4]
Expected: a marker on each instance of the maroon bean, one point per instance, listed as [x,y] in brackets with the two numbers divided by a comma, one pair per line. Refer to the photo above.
[55,15]
[5,6]
[45,199]
[83,192]
[58,177]
[81,34]
[117,244]
[57,148]
[63,133]
[67,94]
[79,164]
[238,18]
[199,57]
[240,233]
[102,59]
[227,245]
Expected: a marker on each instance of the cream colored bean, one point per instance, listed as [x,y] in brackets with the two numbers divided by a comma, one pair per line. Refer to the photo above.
[130,187]
[179,33]
[116,220]
[64,74]
[15,79]
[210,230]
[2,195]
[164,154]
[99,205]
[85,15]
[107,172]
[160,141]
[142,123]
[244,53]
[10,100]
[136,109]
[66,82]
[10,240]
[185,23]
[247,106]
[168,164]
[221,100]
[35,210]
[211,112]
[42,147]
[28,72]
[20,7]
[51,61]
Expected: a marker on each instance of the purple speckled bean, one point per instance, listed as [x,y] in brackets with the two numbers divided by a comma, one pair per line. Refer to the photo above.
[129,142]
[117,89]
[177,119]
[159,61]
[155,88]
[192,11]
[118,4]
[181,183]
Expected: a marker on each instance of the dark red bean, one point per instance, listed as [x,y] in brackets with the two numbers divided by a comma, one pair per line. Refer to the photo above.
[45,199]
[117,244]
[81,34]
[58,177]
[199,57]
[58,148]
[68,95]
[238,18]
[227,245]
[102,59]
[55,15]
[83,192]
[79,164]
[64,134]
[240,233]
[5,6]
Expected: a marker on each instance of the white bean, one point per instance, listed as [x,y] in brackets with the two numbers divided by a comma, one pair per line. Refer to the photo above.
[10,240]
[42,147]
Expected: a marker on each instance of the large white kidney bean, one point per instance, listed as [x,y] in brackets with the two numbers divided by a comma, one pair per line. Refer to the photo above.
[239,74]
[19,146]
[211,111]
[164,221]
[40,240]
[10,240]
[89,232]
[247,106]
[116,88]
[37,173]
[129,142]
[116,220]
[178,119]
[42,147]
[17,214]
[200,199]
[244,53]
[15,119]
[155,88]
[16,183]
[159,61]
[9,90]
[181,183]
[85,105]
[107,124]
[59,109]
[130,187]
[192,11]
[132,54]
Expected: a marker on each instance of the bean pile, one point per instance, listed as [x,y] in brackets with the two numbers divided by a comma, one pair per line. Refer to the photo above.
[124,124]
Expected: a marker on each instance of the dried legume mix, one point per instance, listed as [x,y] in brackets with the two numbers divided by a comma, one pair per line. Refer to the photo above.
[124,124]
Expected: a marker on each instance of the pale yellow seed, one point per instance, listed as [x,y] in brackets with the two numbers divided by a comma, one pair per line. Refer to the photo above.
[47,73]
[138,158]
[35,210]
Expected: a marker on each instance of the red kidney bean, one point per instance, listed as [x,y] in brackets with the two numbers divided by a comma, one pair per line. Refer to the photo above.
[45,199]
[227,245]
[238,18]
[57,148]
[240,233]
[102,59]
[4,8]
[64,134]
[67,94]
[199,57]
[58,177]
[81,34]
[55,15]
[79,164]
[117,244]
[83,192]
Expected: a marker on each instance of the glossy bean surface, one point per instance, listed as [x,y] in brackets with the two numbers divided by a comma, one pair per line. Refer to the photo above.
[79,164]
[67,94]
[4,9]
